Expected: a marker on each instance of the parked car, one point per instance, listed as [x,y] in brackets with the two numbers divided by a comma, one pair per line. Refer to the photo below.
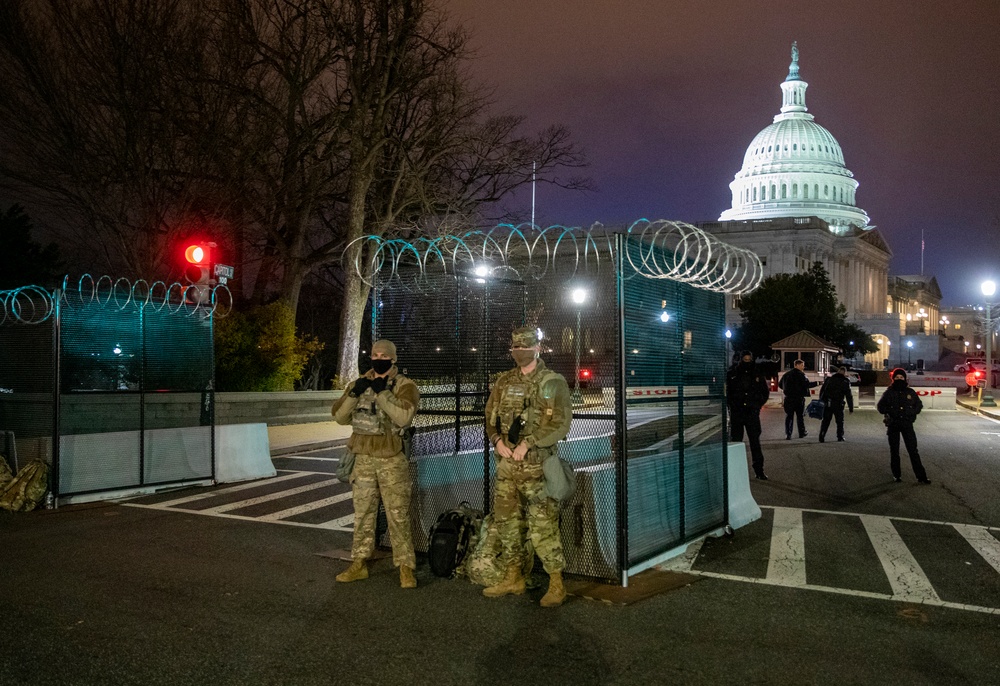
[976,364]
[852,376]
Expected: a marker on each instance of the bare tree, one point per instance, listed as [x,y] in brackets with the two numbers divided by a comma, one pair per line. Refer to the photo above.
[95,122]
[291,127]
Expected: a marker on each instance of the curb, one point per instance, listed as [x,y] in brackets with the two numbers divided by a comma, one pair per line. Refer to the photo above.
[974,407]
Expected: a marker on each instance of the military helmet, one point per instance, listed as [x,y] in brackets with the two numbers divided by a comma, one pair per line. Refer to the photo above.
[524,337]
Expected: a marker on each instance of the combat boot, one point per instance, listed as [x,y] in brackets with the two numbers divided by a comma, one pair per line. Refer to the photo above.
[356,572]
[513,583]
[406,578]
[556,594]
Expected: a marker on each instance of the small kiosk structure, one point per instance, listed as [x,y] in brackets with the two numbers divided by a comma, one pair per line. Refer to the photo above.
[817,353]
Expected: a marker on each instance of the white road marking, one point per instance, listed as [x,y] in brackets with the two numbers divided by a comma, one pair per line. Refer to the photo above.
[983,543]
[307,507]
[334,525]
[933,602]
[787,565]
[905,576]
[229,489]
[270,496]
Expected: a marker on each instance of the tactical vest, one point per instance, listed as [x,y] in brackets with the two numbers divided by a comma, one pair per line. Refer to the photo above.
[518,409]
[368,419]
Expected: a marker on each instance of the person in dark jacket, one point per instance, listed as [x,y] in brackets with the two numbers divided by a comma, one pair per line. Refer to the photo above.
[835,390]
[900,405]
[796,386]
[746,393]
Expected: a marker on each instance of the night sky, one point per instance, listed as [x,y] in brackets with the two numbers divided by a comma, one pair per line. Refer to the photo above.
[664,96]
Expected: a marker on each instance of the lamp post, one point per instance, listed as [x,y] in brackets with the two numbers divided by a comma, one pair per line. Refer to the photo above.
[579,297]
[989,288]
[909,347]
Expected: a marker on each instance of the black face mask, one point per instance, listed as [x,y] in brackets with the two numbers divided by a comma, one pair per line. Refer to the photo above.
[381,366]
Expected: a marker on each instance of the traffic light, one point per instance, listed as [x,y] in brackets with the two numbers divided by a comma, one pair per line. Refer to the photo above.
[198,271]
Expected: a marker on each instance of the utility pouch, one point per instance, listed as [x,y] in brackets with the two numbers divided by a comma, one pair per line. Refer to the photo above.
[366,421]
[514,435]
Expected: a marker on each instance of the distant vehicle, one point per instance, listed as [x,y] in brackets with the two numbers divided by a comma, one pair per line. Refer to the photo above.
[976,364]
[852,376]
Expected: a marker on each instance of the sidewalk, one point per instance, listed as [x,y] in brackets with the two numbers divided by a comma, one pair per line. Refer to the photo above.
[294,438]
[973,404]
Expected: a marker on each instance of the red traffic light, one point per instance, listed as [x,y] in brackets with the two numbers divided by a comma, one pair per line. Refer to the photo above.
[198,253]
[584,375]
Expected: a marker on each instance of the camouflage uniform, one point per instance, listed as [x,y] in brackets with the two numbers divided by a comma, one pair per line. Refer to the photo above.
[541,401]
[381,469]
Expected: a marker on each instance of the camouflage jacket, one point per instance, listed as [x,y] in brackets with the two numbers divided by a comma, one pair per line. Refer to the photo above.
[392,409]
[540,400]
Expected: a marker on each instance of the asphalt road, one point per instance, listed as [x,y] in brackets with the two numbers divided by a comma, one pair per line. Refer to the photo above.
[162,594]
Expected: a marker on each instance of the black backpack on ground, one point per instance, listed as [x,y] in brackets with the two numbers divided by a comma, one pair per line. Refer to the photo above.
[448,542]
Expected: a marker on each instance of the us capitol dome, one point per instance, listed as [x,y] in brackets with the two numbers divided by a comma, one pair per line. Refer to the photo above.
[795,168]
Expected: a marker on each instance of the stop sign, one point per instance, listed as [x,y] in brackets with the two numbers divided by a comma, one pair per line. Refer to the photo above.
[971,379]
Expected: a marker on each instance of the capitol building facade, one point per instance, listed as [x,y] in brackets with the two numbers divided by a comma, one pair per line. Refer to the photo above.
[794,203]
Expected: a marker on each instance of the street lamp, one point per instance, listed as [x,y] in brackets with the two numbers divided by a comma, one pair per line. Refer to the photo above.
[579,296]
[909,347]
[989,288]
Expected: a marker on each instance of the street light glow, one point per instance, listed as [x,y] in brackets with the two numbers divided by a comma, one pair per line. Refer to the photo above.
[579,296]
[989,288]
[729,334]
[909,344]
[664,317]
[482,270]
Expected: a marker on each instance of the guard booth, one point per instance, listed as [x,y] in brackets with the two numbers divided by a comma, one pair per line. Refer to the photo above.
[633,319]
[110,383]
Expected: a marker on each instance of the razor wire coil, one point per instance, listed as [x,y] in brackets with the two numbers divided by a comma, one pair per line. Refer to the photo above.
[662,250]
[35,304]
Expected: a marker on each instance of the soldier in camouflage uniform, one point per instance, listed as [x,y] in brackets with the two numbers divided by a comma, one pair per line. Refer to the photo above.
[528,412]
[379,406]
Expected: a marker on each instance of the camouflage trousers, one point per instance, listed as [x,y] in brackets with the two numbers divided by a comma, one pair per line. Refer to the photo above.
[520,494]
[387,478]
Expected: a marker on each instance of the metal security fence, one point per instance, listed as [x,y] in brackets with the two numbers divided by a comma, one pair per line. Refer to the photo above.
[634,320]
[111,383]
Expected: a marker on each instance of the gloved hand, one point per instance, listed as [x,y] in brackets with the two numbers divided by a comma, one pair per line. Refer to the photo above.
[850,410]
[379,384]
[360,386]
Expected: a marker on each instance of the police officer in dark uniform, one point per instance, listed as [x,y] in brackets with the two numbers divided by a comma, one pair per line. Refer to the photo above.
[746,393]
[836,389]
[900,404]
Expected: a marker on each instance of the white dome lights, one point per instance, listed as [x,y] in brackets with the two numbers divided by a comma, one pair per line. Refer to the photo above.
[795,168]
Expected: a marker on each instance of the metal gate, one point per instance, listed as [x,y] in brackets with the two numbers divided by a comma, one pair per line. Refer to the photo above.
[111,384]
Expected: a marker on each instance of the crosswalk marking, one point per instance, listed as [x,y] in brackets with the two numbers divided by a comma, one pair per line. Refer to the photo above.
[982,542]
[229,489]
[344,523]
[786,560]
[906,578]
[307,507]
[228,507]
[787,564]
